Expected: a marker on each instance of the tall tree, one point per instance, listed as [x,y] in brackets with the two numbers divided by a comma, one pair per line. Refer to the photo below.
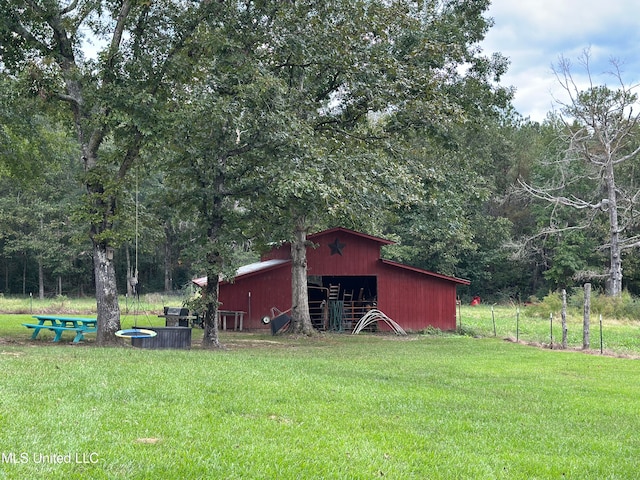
[226,123]
[114,99]
[602,138]
[359,76]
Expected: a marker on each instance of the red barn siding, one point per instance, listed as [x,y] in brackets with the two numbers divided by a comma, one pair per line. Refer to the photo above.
[360,255]
[416,302]
[256,294]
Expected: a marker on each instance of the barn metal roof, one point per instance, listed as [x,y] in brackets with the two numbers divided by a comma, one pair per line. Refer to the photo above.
[247,269]
[259,266]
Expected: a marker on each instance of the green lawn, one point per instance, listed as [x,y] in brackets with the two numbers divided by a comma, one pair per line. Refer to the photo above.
[334,406]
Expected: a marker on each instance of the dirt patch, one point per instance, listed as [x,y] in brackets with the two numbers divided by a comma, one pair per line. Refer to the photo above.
[26,341]
[254,343]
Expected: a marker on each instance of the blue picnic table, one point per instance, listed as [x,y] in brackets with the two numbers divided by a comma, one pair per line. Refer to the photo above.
[59,324]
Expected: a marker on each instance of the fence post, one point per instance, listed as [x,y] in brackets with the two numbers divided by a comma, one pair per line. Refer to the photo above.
[551,329]
[493,317]
[601,334]
[518,324]
[587,314]
[563,314]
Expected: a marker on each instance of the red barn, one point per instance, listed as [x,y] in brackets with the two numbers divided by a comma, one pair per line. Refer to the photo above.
[346,278]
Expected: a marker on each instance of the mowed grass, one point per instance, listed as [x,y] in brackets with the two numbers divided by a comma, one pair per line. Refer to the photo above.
[333,406]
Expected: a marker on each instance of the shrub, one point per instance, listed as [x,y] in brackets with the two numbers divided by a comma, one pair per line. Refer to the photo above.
[467,331]
[625,307]
[433,331]
[551,303]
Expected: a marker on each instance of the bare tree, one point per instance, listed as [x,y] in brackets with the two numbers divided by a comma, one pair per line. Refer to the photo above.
[600,130]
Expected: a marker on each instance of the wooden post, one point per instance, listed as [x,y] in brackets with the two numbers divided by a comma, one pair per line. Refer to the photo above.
[518,324]
[493,317]
[601,346]
[551,329]
[564,318]
[586,318]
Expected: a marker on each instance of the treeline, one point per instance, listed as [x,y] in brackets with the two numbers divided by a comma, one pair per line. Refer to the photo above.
[475,222]
[211,130]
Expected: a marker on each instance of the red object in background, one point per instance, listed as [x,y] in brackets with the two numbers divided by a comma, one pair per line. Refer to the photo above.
[475,301]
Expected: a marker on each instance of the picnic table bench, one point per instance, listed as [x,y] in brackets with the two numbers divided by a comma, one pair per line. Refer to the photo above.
[58,324]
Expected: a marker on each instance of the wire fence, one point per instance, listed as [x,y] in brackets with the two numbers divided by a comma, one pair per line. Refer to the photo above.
[547,329]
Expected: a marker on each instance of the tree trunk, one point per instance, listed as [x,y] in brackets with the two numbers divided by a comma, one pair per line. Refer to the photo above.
[41,270]
[615,273]
[167,263]
[564,319]
[587,317]
[106,294]
[40,280]
[213,208]
[300,317]
[24,276]
[212,302]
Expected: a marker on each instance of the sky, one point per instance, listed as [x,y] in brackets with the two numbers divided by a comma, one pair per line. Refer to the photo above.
[535,34]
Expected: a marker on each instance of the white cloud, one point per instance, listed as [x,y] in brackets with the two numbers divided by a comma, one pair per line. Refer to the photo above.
[534,34]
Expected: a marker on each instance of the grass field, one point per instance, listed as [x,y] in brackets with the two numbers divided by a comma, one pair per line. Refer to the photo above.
[152,303]
[333,406]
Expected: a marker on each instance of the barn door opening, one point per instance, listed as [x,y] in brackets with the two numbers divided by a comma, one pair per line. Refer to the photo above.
[338,302]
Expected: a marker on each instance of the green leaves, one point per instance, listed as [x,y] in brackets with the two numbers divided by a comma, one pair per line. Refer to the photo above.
[258,114]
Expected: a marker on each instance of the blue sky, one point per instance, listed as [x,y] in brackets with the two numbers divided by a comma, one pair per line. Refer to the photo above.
[534,34]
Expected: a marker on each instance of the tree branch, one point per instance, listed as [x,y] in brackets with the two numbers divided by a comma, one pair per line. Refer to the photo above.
[118,32]
[69,8]
[574,202]
[628,156]
[16,27]
[68,98]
